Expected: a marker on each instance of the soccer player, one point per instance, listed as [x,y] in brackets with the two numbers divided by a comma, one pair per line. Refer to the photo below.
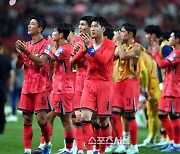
[84,27]
[63,82]
[148,76]
[34,97]
[97,92]
[72,35]
[127,90]
[169,103]
[153,33]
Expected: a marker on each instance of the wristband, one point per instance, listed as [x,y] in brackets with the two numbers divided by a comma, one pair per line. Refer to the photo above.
[91,51]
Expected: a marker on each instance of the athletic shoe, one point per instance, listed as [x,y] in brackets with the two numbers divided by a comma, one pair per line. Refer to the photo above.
[60,150]
[80,152]
[147,144]
[37,151]
[147,139]
[162,147]
[171,148]
[89,151]
[47,149]
[111,148]
[163,141]
[66,151]
[133,149]
[120,149]
[12,118]
[95,151]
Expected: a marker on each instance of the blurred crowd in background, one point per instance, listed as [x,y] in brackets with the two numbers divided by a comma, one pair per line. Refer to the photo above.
[14,19]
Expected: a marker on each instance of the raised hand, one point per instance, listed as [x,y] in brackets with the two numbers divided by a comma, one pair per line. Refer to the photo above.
[50,39]
[86,39]
[117,36]
[76,47]
[21,46]
[155,46]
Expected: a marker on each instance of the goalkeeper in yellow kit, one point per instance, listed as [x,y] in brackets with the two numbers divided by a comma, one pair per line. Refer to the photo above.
[148,78]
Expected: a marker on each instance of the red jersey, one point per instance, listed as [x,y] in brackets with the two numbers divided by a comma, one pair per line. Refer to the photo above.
[172,77]
[81,66]
[63,77]
[36,78]
[100,65]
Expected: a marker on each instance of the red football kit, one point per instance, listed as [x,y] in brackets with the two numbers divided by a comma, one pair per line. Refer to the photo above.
[80,75]
[171,91]
[34,95]
[97,92]
[63,81]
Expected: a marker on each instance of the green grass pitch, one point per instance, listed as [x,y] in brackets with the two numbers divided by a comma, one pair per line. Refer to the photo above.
[11,140]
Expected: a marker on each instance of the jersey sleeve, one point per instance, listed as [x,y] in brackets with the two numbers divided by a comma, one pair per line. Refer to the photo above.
[174,57]
[162,63]
[106,55]
[61,53]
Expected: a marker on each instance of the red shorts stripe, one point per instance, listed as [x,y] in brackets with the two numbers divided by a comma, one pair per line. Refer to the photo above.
[169,104]
[62,103]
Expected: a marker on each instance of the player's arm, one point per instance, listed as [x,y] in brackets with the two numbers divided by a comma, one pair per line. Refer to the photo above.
[38,60]
[144,78]
[19,62]
[106,55]
[133,52]
[78,54]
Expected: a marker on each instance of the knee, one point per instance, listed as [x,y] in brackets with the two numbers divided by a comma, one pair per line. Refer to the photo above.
[42,121]
[78,117]
[28,119]
[104,121]
[86,116]
[130,118]
[66,122]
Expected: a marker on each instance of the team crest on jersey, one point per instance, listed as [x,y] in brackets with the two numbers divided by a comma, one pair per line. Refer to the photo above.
[48,48]
[172,57]
[59,51]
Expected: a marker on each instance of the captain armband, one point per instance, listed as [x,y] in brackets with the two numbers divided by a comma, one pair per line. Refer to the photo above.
[91,51]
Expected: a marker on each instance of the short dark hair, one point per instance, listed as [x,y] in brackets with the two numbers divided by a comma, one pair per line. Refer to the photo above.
[176,33]
[63,28]
[100,20]
[165,35]
[130,28]
[153,29]
[87,19]
[41,22]
[71,27]
[109,32]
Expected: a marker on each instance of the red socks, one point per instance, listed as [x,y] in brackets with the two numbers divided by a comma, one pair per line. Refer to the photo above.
[105,133]
[27,136]
[42,137]
[46,133]
[176,127]
[116,126]
[97,133]
[69,138]
[167,124]
[133,130]
[79,136]
[87,133]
